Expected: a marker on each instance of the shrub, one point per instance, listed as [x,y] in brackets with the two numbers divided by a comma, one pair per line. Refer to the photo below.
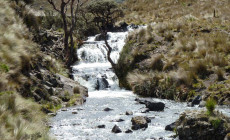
[156,62]
[210,106]
[215,123]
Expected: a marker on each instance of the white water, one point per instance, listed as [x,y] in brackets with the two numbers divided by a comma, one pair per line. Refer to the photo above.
[89,72]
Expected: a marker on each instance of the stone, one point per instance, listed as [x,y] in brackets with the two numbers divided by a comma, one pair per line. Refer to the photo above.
[101,126]
[118,120]
[170,127]
[196,100]
[140,122]
[202,104]
[74,112]
[64,109]
[108,109]
[128,131]
[146,110]
[155,106]
[52,114]
[128,113]
[116,129]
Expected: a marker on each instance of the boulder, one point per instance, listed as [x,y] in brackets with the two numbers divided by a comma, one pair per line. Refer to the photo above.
[102,83]
[140,122]
[101,37]
[196,100]
[116,129]
[155,106]
[197,125]
[170,127]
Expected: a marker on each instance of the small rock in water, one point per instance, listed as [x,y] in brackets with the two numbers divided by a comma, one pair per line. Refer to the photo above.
[140,122]
[116,129]
[74,112]
[118,120]
[128,131]
[128,113]
[171,126]
[52,114]
[108,109]
[63,109]
[155,106]
[101,126]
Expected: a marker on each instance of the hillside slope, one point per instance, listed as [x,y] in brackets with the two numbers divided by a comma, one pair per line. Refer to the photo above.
[182,53]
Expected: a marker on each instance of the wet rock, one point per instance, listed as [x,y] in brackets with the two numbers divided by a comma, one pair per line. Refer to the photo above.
[133,26]
[140,101]
[101,37]
[128,131]
[128,113]
[116,129]
[140,122]
[37,97]
[108,109]
[101,126]
[64,109]
[118,120]
[52,114]
[196,100]
[74,112]
[171,126]
[102,83]
[197,125]
[155,106]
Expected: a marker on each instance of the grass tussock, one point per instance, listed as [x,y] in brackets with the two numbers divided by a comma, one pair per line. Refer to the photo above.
[15,47]
[21,119]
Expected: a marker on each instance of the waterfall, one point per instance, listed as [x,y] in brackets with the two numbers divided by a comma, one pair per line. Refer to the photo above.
[94,71]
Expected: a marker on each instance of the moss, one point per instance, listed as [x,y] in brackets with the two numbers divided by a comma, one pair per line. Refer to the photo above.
[4,68]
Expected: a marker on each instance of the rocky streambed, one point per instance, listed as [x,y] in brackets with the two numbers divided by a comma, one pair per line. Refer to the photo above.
[111,113]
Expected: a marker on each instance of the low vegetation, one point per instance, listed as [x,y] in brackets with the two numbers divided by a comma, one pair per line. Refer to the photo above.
[189,47]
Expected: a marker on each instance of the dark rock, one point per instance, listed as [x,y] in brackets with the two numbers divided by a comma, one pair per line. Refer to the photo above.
[155,106]
[139,122]
[101,126]
[128,113]
[101,37]
[116,129]
[108,109]
[196,100]
[54,82]
[37,97]
[133,26]
[74,112]
[171,126]
[45,110]
[128,131]
[102,83]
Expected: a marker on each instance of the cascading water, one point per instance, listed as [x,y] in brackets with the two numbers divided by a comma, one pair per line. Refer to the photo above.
[94,72]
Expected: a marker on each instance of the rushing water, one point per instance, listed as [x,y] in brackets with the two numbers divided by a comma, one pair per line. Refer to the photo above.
[94,72]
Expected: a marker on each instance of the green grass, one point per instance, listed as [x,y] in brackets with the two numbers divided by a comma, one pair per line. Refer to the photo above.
[210,106]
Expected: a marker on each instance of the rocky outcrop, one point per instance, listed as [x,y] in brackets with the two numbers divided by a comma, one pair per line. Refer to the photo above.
[197,125]
[140,122]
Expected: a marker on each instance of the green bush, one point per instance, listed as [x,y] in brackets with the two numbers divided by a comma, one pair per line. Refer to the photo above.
[215,123]
[210,106]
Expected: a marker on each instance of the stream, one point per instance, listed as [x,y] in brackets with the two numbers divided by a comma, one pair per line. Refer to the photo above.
[94,72]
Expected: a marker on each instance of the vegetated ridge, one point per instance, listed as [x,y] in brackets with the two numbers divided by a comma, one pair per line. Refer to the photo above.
[182,53]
